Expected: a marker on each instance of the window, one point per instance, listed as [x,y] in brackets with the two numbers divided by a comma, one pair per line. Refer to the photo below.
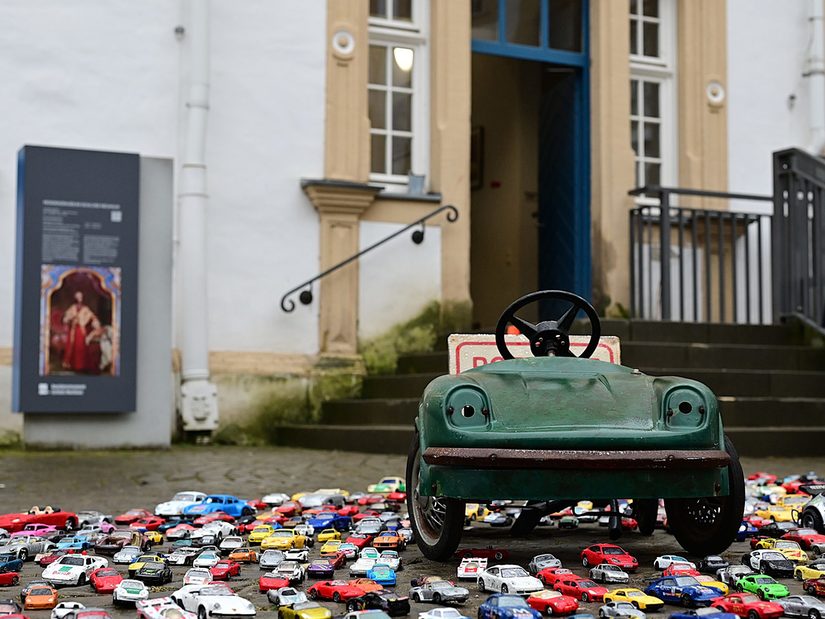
[652,91]
[397,85]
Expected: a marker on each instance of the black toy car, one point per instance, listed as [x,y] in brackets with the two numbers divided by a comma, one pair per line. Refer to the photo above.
[392,604]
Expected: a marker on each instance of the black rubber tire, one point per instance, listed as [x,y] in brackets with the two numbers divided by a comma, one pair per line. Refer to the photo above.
[201,612]
[686,601]
[753,614]
[504,589]
[812,519]
[81,580]
[706,539]
[435,544]
[645,512]
[15,580]
[23,554]
[761,595]
[585,562]
[813,614]
[437,598]
[585,597]
[336,597]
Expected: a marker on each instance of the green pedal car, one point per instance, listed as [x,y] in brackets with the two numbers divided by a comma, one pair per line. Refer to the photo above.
[554,428]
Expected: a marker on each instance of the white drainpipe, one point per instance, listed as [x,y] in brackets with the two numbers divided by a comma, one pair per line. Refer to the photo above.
[816,78]
[199,403]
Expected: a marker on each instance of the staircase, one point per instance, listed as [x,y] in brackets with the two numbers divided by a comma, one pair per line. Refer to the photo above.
[770,385]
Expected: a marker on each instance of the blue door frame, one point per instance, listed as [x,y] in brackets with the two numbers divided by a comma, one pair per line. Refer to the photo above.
[578,253]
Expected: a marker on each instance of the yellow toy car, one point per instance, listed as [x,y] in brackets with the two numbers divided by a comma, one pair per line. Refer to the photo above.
[328,534]
[811,571]
[330,548]
[284,539]
[787,547]
[260,533]
[155,537]
[710,581]
[638,598]
[784,509]
[141,560]
[305,610]
[475,511]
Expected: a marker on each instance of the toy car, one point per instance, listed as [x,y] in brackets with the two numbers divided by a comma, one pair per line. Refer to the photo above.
[9,578]
[154,573]
[802,606]
[381,573]
[72,569]
[179,502]
[104,579]
[508,579]
[489,553]
[639,599]
[42,597]
[226,503]
[706,612]
[539,562]
[503,606]
[610,554]
[387,485]
[580,588]
[441,613]
[214,599]
[769,562]
[814,587]
[244,555]
[763,586]
[664,561]
[286,596]
[684,590]
[789,548]
[607,573]
[813,570]
[553,603]
[439,592]
[621,609]
[270,559]
[392,604]
[470,567]
[711,564]
[293,571]
[161,608]
[680,569]
[63,608]
[729,575]
[47,515]
[335,590]
[304,610]
[549,575]
[748,605]
[225,569]
[197,576]
[491,432]
[710,581]
[129,592]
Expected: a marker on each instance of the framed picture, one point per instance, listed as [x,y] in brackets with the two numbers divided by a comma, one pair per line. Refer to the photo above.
[476,157]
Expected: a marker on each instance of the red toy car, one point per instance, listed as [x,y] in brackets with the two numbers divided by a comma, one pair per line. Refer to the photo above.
[152,523]
[269,582]
[553,603]
[610,554]
[680,569]
[370,513]
[762,477]
[335,590]
[499,554]
[207,518]
[290,508]
[580,588]
[805,537]
[225,569]
[55,517]
[550,575]
[54,555]
[397,497]
[105,579]
[133,515]
[347,510]
[815,586]
[748,605]
[359,540]
[9,579]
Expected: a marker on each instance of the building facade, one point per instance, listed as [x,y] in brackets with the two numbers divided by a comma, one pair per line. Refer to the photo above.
[334,123]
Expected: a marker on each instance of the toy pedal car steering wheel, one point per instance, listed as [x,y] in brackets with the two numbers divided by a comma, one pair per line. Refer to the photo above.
[549,337]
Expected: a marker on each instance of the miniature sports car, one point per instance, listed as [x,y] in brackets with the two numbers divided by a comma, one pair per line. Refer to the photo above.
[387,485]
[226,503]
[711,564]
[549,575]
[607,573]
[748,605]
[769,562]
[710,581]
[489,553]
[580,588]
[639,599]
[441,613]
[36,530]
[197,576]
[206,558]
[182,556]
[286,596]
[390,558]
[684,590]
[553,603]
[729,575]
[789,548]
[154,573]
[389,540]
[304,610]
[327,535]
[26,546]
[161,608]
[815,587]
[811,571]
[72,569]
[42,597]
[680,569]
[64,608]
[503,606]
[492,432]
[610,554]
[320,569]
[664,561]
[382,574]
[9,578]
[335,590]
[270,559]
[292,571]
[132,515]
[244,555]
[763,586]
[620,609]
[48,515]
[104,579]
[330,548]
[469,568]
[706,612]
[129,592]
[179,502]
[225,569]
[213,600]
[539,562]
[272,581]
[284,539]
[806,538]
[508,579]
[392,604]
[802,606]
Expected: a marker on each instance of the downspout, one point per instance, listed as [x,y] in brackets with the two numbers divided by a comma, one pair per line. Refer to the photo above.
[198,402]
[815,75]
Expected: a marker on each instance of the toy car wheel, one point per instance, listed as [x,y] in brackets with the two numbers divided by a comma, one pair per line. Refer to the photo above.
[481,586]
[201,612]
[336,597]
[437,598]
[15,580]
[813,614]
[753,614]
[811,519]
[708,525]
[585,597]
[686,601]
[437,522]
[504,589]
[585,562]
[761,595]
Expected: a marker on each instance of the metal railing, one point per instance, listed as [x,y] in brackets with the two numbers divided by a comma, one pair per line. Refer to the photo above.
[417,237]
[697,264]
[799,235]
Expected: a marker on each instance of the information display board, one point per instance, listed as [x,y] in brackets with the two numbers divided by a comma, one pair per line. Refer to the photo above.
[75,338]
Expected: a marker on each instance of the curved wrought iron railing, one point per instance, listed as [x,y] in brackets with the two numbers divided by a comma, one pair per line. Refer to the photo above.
[417,237]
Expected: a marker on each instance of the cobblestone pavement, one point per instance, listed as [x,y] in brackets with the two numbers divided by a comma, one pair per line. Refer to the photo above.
[115,481]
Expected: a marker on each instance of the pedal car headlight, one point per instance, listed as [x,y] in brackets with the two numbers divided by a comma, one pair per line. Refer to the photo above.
[685,408]
[468,407]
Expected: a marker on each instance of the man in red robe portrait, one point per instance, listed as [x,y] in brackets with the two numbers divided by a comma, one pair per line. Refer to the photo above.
[83,326]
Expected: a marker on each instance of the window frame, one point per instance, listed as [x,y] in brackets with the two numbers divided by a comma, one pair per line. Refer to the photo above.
[415,35]
[662,70]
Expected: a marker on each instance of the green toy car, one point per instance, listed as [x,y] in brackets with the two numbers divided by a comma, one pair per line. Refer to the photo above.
[554,428]
[763,586]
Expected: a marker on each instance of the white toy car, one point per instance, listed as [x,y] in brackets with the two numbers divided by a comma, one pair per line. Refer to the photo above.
[197,576]
[64,608]
[539,562]
[73,569]
[508,579]
[176,505]
[621,609]
[183,556]
[126,555]
[297,554]
[441,613]
[729,575]
[609,573]
[361,566]
[161,608]
[270,559]
[293,571]
[129,592]
[207,558]
[439,592]
[276,499]
[392,559]
[230,543]
[812,515]
[664,561]
[223,529]
[286,596]
[26,546]
[470,568]
[213,600]
[305,529]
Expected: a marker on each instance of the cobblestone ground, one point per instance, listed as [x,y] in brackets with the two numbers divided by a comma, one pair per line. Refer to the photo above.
[113,482]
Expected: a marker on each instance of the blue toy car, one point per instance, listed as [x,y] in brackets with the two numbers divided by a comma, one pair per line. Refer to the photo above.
[746,529]
[684,590]
[330,520]
[382,574]
[74,542]
[10,563]
[703,613]
[506,606]
[226,503]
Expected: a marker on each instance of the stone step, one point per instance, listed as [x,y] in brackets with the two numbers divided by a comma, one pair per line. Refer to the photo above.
[397,386]
[753,442]
[378,411]
[711,333]
[678,354]
[776,383]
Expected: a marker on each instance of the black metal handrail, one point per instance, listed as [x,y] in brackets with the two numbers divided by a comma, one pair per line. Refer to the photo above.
[698,235]
[417,237]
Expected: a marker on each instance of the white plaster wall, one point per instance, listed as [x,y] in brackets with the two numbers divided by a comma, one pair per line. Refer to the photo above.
[767,95]
[397,279]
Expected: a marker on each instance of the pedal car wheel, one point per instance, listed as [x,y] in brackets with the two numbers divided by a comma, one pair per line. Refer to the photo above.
[437,522]
[709,525]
